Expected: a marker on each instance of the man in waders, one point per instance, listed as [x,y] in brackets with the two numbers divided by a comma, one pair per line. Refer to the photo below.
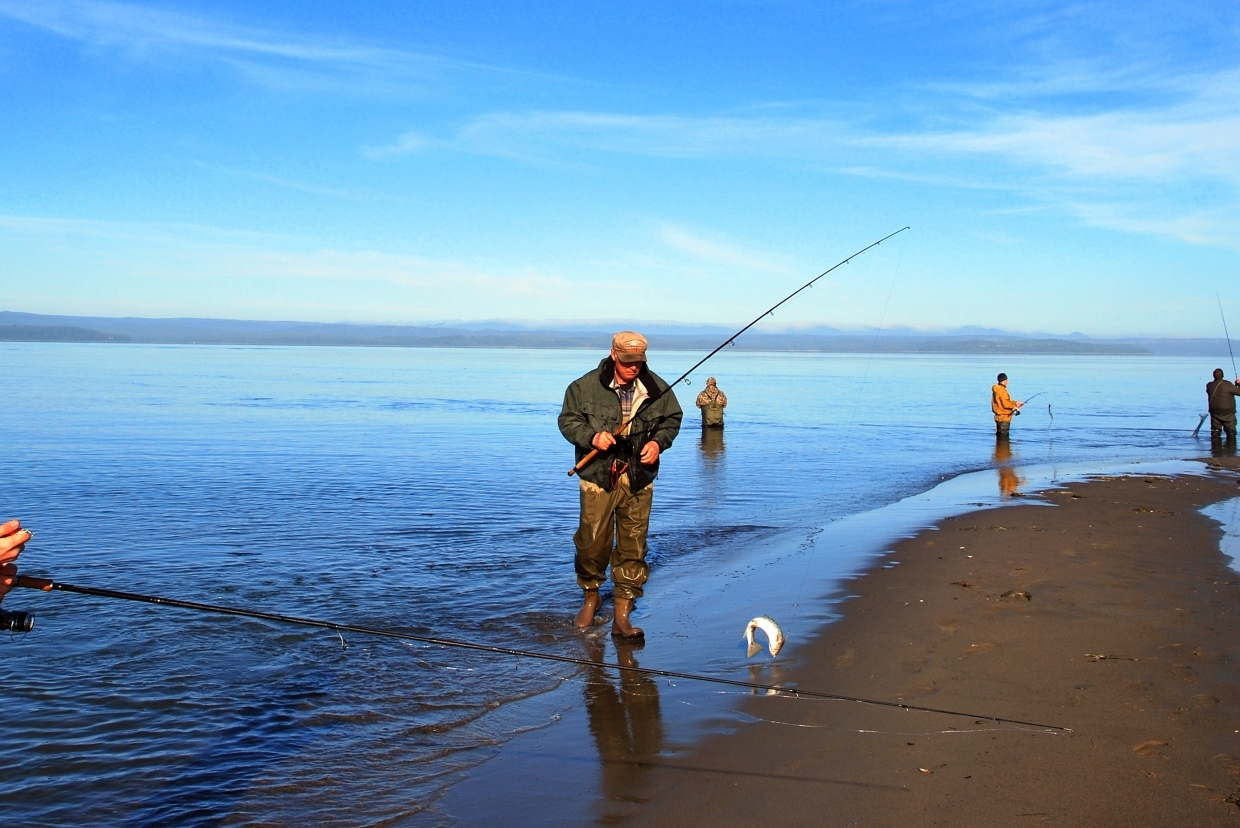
[1003,406]
[630,416]
[1222,396]
[712,401]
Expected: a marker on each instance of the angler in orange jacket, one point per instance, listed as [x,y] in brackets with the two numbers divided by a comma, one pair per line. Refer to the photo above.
[1004,407]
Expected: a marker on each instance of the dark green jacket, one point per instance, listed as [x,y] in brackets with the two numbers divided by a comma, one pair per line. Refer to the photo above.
[590,406]
[1222,394]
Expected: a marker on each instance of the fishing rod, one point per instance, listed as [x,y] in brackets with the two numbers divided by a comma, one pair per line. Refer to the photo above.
[1016,413]
[48,585]
[1234,372]
[768,312]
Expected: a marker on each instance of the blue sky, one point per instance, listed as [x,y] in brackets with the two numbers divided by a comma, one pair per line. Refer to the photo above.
[1063,166]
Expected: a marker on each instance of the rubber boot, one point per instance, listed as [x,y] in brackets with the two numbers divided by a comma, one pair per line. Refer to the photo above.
[589,606]
[620,626]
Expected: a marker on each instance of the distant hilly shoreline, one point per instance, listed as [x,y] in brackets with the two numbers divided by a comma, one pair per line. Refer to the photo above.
[28,327]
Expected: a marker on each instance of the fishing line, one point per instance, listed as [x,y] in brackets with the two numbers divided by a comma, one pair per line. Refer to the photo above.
[866,731]
[852,417]
[48,585]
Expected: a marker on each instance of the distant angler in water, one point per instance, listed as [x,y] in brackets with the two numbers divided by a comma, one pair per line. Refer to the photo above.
[712,401]
[1003,406]
[1221,396]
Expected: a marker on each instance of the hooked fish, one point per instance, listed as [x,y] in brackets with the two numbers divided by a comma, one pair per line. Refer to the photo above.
[774,635]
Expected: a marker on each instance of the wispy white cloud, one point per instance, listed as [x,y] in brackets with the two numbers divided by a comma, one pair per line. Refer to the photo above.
[718,252]
[406,144]
[541,136]
[1215,228]
[1189,141]
[1140,153]
[300,186]
[177,251]
[272,58]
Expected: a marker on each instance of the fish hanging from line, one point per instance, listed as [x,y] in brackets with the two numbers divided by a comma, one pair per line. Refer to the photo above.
[774,635]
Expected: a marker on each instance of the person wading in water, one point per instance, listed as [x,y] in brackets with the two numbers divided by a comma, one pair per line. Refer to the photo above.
[712,401]
[1003,406]
[630,416]
[1222,396]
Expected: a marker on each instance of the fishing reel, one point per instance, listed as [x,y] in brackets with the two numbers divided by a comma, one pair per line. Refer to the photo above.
[16,621]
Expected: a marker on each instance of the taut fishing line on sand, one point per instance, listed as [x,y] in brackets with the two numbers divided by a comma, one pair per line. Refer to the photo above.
[48,585]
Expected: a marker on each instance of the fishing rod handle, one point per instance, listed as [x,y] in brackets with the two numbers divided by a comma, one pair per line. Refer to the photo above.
[582,464]
[29,582]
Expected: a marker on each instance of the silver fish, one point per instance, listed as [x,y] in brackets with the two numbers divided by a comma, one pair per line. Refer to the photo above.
[774,635]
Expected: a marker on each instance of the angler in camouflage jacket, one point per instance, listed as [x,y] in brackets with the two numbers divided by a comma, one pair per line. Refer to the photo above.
[712,401]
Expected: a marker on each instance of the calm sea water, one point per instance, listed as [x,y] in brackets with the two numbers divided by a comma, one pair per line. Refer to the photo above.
[421,490]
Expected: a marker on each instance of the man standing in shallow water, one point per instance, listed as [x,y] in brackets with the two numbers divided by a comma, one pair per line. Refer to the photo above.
[630,416]
[1003,406]
[712,401]
[1222,398]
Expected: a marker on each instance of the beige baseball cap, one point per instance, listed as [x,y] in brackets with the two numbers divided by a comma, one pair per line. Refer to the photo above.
[629,346]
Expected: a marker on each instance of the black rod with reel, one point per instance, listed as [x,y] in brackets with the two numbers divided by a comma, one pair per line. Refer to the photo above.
[1016,413]
[581,464]
[48,585]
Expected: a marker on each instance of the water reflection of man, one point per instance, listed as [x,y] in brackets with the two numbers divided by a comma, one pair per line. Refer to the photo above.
[625,720]
[1009,482]
[712,443]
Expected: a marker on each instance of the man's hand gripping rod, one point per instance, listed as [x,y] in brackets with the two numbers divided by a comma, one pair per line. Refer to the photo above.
[585,460]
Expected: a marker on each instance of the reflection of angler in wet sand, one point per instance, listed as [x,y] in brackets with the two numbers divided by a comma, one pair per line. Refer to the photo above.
[712,401]
[625,720]
[1009,482]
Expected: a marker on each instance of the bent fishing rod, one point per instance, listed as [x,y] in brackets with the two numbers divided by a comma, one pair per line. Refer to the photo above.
[48,585]
[1234,373]
[581,464]
[1040,393]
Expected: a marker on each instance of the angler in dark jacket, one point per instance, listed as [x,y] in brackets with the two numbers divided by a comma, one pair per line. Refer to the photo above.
[617,485]
[1222,396]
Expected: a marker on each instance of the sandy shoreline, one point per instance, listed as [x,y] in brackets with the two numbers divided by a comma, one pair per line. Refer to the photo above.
[1129,638]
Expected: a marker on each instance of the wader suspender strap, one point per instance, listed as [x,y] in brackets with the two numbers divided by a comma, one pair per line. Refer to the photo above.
[1217,386]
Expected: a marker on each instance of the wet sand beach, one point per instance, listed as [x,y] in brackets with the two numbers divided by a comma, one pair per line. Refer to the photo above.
[1129,637]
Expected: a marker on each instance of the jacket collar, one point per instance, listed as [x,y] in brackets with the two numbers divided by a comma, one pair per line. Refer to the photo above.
[607,372]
